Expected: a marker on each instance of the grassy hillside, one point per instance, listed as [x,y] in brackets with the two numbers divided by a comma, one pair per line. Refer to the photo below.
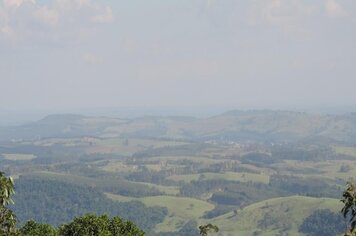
[277,216]
[273,216]
[232,176]
[180,209]
[233,160]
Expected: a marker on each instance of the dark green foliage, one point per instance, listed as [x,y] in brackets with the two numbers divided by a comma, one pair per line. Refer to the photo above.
[349,209]
[323,222]
[230,198]
[88,225]
[7,217]
[205,229]
[305,186]
[241,193]
[291,152]
[344,168]
[92,225]
[32,228]
[109,183]
[267,221]
[259,159]
[230,192]
[55,203]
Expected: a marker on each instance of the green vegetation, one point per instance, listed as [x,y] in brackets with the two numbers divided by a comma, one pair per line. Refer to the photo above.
[233,176]
[180,209]
[273,216]
[19,157]
[35,194]
[349,209]
[32,228]
[205,229]
[240,171]
[7,217]
[349,151]
[323,222]
[88,225]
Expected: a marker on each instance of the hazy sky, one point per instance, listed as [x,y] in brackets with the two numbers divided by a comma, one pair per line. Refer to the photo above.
[67,54]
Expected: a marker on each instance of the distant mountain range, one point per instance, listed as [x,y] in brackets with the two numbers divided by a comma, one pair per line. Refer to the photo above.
[257,125]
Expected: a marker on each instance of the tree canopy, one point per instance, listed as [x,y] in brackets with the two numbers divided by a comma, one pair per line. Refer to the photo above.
[7,217]
[349,209]
[87,225]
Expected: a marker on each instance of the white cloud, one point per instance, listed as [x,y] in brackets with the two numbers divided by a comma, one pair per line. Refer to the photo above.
[47,16]
[290,16]
[105,17]
[19,17]
[334,9]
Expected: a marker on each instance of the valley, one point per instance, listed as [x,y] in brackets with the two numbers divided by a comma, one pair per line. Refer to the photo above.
[248,172]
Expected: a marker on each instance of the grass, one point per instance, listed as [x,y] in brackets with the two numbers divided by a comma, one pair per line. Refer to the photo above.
[198,159]
[169,190]
[350,151]
[120,198]
[128,146]
[330,169]
[233,176]
[118,166]
[180,209]
[163,163]
[19,157]
[282,213]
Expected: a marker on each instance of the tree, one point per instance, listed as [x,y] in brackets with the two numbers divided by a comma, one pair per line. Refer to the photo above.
[323,222]
[32,228]
[349,209]
[93,225]
[7,217]
[205,229]
[88,225]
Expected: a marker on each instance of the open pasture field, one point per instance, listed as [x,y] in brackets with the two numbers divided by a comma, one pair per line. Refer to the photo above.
[65,142]
[18,157]
[169,190]
[350,151]
[118,167]
[280,214]
[180,209]
[231,176]
[197,159]
[129,146]
[330,169]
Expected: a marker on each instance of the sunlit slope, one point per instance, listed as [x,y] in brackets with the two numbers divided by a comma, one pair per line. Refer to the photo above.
[180,209]
[273,216]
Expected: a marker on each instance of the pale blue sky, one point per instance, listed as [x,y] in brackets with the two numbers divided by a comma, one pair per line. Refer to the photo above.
[69,54]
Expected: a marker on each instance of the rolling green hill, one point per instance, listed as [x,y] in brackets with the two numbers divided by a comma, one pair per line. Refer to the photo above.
[273,216]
